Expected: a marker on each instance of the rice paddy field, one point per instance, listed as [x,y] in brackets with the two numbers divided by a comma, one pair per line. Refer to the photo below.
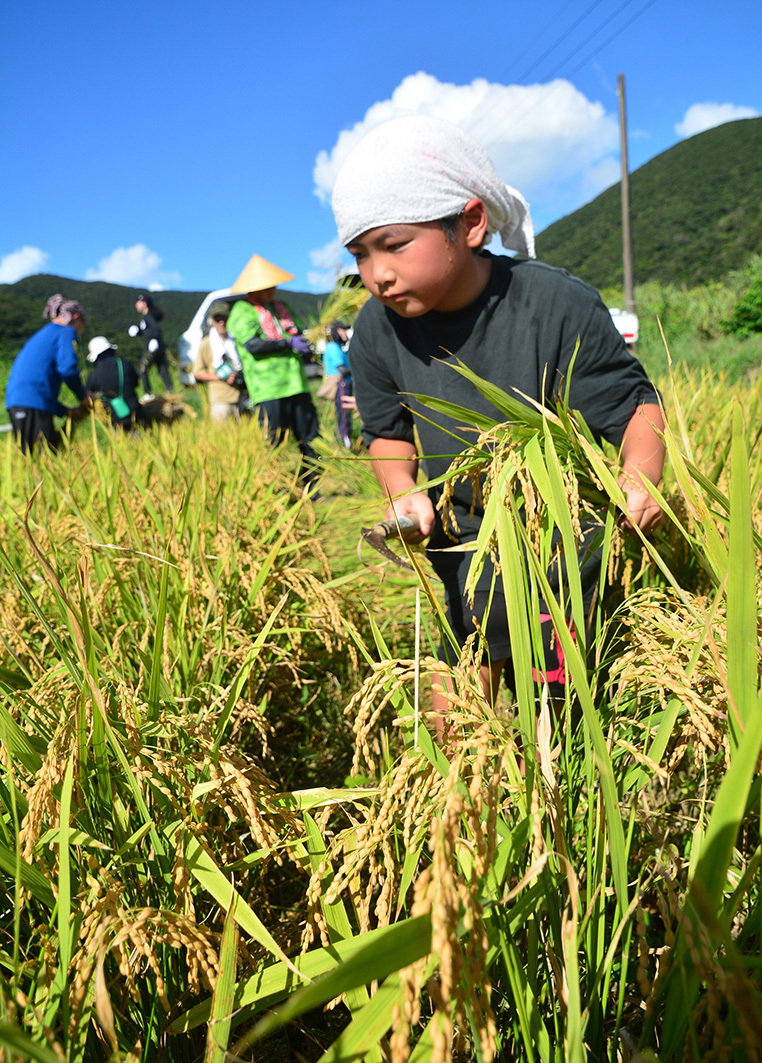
[225,830]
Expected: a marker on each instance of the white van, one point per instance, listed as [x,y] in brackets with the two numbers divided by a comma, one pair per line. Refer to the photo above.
[627,324]
[188,344]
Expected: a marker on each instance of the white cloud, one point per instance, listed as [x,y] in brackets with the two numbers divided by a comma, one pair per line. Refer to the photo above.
[702,116]
[546,140]
[602,175]
[134,266]
[22,263]
[330,262]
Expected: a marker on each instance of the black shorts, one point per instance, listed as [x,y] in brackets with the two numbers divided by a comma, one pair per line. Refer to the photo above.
[30,426]
[460,613]
[494,627]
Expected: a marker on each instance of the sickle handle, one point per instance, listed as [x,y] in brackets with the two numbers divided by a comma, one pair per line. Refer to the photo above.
[388,529]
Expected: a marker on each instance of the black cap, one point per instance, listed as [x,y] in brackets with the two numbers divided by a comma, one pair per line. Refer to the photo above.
[143,298]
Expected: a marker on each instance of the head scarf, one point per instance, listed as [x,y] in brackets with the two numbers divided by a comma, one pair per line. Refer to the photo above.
[57,306]
[419,168]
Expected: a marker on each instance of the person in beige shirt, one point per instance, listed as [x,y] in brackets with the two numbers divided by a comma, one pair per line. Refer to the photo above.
[219,366]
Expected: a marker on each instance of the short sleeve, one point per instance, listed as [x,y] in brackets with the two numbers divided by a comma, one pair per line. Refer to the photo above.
[378,393]
[605,382]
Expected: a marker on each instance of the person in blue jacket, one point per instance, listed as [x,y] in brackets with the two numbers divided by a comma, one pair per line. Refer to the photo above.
[47,359]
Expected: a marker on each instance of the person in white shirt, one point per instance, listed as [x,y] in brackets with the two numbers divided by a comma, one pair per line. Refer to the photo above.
[219,365]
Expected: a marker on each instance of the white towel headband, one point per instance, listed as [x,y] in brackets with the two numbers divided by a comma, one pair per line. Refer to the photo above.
[419,168]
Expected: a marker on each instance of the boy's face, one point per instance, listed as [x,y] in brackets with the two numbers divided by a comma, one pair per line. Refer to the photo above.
[414,268]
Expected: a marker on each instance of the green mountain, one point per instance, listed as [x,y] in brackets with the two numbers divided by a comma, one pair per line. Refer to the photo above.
[110,310]
[696,214]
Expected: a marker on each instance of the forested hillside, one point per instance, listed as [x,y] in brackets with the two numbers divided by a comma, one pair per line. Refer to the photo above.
[696,215]
[110,310]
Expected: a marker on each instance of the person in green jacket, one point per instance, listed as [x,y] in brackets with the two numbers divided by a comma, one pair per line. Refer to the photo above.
[272,351]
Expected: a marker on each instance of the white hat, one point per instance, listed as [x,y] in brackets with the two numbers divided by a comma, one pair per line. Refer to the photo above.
[96,347]
[419,168]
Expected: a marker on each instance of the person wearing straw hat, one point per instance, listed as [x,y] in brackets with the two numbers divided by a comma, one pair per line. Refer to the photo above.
[115,381]
[272,350]
[47,359]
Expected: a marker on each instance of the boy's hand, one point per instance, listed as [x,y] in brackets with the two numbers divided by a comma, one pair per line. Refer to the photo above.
[643,461]
[419,505]
[643,511]
[395,463]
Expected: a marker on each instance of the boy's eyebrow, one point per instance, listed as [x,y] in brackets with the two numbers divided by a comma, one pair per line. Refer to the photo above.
[382,233]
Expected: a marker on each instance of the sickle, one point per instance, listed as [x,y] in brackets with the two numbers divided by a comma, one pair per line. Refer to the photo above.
[376,537]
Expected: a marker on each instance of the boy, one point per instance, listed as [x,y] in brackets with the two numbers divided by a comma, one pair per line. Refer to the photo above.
[414,202]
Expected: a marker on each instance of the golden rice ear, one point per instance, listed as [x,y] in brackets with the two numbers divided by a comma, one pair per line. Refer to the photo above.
[258,274]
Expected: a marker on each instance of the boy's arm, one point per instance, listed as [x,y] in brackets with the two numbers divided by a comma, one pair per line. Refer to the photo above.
[642,459]
[395,463]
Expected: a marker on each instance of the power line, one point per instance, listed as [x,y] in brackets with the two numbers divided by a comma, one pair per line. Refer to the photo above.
[527,49]
[534,97]
[613,36]
[557,41]
[590,36]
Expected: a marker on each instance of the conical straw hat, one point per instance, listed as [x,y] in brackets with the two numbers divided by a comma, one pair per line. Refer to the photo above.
[258,275]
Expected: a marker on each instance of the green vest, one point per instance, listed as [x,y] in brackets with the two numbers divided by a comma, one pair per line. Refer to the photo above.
[268,376]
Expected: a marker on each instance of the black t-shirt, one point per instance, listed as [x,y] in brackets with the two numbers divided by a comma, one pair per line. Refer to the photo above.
[104,380]
[521,333]
[150,329]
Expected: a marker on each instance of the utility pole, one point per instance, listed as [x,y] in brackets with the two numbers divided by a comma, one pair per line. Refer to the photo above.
[629,284]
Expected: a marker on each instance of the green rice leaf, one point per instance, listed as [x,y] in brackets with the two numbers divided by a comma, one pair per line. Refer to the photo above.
[395,947]
[218,1032]
[157,658]
[19,743]
[20,1044]
[322,797]
[32,878]
[203,867]
[334,912]
[742,597]
[277,981]
[360,1039]
[65,943]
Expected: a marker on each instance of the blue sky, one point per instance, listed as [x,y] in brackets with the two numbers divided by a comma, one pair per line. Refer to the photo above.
[162,145]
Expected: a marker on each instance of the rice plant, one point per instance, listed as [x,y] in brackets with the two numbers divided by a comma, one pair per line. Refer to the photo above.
[192,662]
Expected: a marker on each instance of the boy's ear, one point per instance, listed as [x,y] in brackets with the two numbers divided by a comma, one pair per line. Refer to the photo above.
[475,220]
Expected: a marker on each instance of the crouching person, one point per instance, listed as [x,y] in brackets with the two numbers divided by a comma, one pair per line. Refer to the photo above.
[47,360]
[415,201]
[114,381]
